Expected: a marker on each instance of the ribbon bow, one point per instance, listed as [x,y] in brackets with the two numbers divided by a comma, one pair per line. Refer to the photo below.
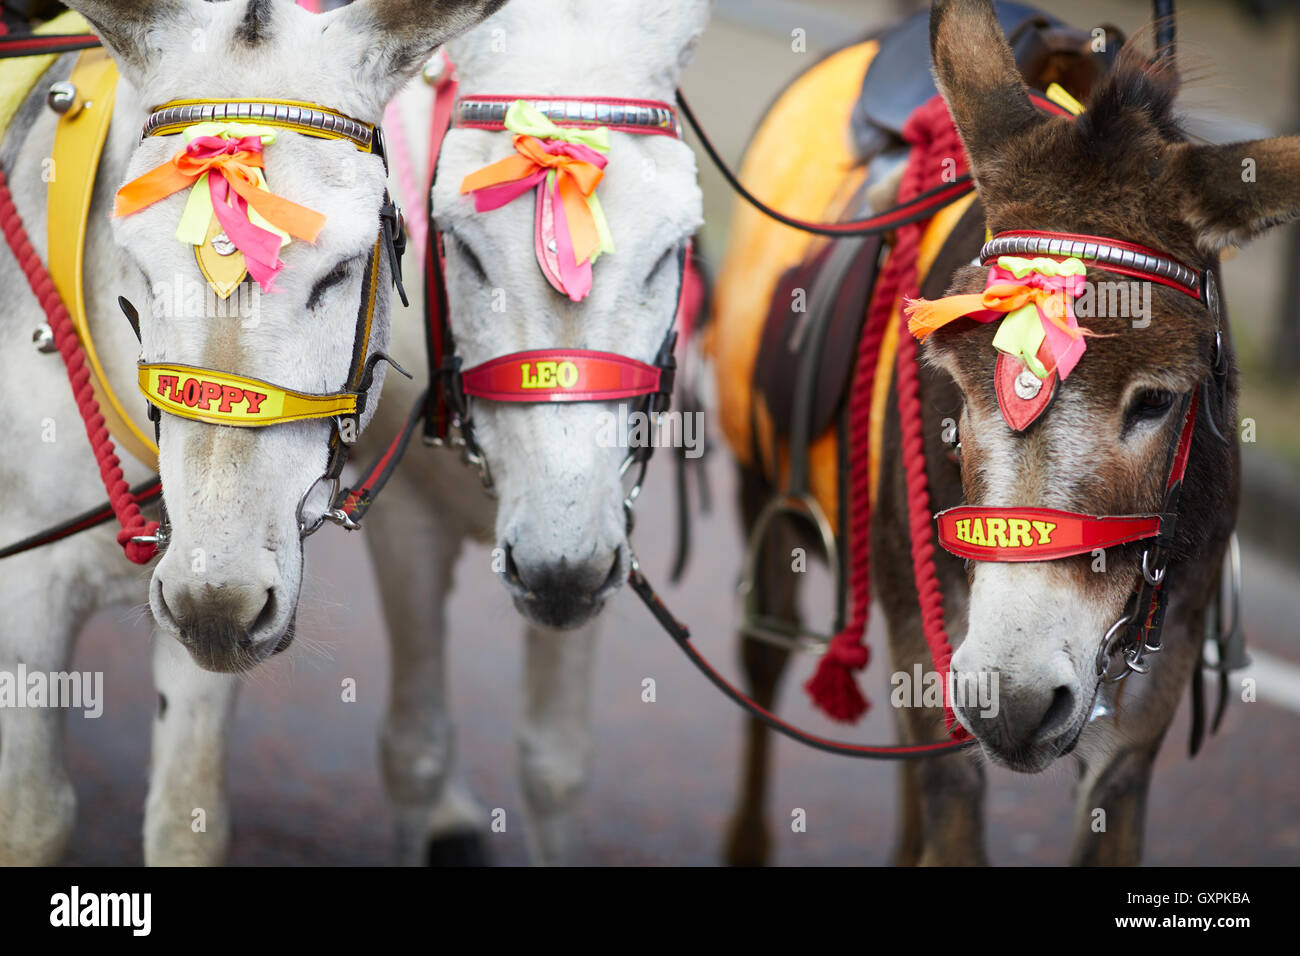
[1033,297]
[257,221]
[570,164]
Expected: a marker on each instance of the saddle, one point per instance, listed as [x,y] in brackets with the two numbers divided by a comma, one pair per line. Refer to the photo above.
[838,278]
[17,15]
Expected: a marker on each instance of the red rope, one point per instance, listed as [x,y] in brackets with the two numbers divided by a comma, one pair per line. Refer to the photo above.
[74,359]
[936,156]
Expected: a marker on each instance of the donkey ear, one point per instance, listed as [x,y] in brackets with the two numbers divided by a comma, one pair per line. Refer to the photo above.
[135,31]
[1232,193]
[402,34]
[977,75]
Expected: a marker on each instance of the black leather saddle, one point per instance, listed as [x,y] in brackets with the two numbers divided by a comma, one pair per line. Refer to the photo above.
[1046,49]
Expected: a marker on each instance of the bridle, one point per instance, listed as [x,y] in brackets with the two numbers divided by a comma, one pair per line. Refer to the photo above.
[1044,534]
[224,397]
[544,375]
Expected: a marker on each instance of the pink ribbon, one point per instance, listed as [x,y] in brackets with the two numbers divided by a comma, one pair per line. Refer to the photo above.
[261,248]
[575,276]
[1065,349]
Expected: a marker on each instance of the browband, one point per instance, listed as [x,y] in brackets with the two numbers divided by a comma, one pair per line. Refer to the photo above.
[621,115]
[562,375]
[307,118]
[1127,258]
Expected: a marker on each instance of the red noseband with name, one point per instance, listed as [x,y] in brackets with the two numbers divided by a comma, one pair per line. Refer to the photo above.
[1036,534]
[561,375]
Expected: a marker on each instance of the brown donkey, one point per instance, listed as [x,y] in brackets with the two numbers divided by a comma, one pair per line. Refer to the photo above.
[1102,446]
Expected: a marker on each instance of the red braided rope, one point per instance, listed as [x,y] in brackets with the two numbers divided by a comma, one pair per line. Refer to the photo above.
[74,359]
[934,140]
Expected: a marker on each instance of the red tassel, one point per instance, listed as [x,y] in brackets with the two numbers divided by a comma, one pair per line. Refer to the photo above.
[832,687]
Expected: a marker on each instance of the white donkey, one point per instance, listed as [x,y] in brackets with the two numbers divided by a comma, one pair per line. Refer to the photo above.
[227,587]
[557,525]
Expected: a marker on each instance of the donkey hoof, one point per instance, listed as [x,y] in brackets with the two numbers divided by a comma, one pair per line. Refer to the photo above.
[461,848]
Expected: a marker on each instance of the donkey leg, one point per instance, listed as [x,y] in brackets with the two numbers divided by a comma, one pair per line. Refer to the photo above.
[436,821]
[943,797]
[748,842]
[187,813]
[1119,751]
[907,852]
[555,747]
[38,806]
[1110,810]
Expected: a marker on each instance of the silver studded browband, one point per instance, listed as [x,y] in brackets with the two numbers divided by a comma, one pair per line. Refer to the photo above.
[312,120]
[629,115]
[1102,252]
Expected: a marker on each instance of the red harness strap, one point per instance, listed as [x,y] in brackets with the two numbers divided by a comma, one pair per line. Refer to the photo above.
[931,132]
[123,504]
[15,45]
[915,208]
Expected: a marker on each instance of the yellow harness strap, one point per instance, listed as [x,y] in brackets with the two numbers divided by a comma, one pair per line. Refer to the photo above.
[78,144]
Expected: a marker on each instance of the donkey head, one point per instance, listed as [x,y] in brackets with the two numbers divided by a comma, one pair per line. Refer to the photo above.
[561,521]
[1122,170]
[228,585]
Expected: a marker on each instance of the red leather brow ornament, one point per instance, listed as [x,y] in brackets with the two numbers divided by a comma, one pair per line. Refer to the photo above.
[1022,395]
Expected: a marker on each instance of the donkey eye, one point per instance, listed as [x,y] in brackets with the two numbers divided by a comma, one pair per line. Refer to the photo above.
[332,278]
[480,274]
[1148,405]
[669,255]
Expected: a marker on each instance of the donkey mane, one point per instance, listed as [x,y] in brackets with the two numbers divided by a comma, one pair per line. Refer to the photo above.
[1137,96]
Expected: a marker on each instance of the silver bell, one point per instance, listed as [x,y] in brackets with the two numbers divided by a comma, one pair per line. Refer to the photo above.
[64,99]
[43,338]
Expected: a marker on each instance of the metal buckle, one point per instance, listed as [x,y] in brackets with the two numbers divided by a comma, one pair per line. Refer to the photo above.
[1108,646]
[331,514]
[1152,578]
[772,630]
[629,499]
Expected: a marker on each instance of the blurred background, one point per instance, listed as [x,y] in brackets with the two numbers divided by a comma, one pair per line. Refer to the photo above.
[304,767]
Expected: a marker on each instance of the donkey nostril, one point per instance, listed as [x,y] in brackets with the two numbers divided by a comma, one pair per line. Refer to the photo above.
[264,619]
[512,569]
[1058,712]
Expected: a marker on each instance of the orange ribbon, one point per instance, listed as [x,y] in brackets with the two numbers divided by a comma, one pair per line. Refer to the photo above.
[576,179]
[927,315]
[187,166]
